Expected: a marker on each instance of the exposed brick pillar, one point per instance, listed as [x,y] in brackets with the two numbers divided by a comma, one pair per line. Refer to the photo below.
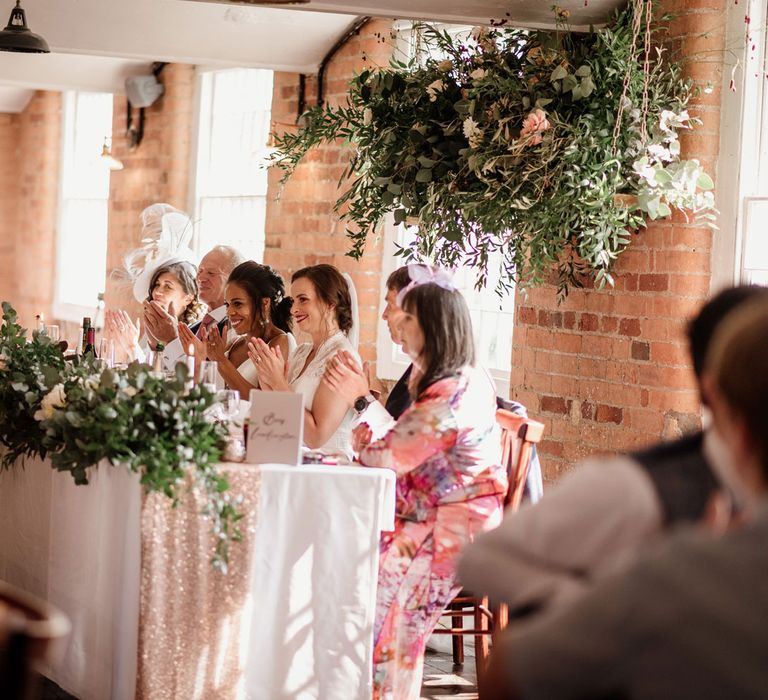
[301,228]
[156,171]
[29,184]
[9,197]
[609,370]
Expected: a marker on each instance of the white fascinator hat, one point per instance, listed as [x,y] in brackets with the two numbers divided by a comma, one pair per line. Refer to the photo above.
[166,234]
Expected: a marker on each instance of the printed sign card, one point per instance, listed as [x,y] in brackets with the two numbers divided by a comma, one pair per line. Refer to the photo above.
[276,427]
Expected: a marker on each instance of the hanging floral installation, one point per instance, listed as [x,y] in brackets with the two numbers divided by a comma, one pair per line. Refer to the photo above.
[544,150]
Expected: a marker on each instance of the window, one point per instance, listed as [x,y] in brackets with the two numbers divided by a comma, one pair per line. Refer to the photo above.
[81,260]
[740,253]
[230,184]
[492,316]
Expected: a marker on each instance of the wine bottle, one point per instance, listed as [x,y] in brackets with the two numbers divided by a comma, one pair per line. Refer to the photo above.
[86,326]
[90,342]
[157,360]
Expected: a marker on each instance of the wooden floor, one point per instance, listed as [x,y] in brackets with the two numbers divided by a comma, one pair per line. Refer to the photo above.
[442,680]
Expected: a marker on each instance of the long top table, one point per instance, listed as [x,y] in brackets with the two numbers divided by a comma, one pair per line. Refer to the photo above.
[293,618]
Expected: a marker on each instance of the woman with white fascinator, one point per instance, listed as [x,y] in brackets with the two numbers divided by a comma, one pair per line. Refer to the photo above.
[163,273]
[325,309]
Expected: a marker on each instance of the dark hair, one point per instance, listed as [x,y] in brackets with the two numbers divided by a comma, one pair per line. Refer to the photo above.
[399,279]
[262,282]
[738,364]
[332,289]
[448,341]
[702,327]
[186,274]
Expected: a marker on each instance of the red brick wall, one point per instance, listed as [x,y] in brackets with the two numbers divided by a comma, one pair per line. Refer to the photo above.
[9,196]
[609,370]
[301,228]
[29,183]
[157,170]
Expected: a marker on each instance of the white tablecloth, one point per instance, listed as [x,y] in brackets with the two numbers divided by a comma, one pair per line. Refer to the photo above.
[314,574]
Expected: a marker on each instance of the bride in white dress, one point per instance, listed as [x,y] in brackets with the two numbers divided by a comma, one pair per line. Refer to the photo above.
[322,309]
[257,307]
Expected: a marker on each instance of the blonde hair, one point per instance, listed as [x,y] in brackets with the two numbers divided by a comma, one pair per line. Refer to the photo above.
[738,364]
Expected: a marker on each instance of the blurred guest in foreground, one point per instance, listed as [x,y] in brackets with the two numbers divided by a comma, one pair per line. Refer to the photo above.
[687,621]
[600,516]
[445,450]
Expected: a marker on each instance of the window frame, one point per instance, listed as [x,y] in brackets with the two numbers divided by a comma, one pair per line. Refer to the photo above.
[64,310]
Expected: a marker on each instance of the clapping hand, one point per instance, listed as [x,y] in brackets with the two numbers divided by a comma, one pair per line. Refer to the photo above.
[187,338]
[270,365]
[361,437]
[345,377]
[162,325]
[125,333]
[215,346]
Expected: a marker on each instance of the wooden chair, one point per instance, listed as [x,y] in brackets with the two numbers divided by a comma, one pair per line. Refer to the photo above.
[518,436]
[30,630]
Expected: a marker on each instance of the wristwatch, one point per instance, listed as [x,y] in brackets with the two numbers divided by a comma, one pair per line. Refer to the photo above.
[362,402]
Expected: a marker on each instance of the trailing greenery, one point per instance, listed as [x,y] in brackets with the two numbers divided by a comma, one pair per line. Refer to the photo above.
[78,414]
[543,149]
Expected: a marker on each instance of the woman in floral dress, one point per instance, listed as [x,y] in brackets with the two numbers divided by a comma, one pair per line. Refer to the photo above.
[450,485]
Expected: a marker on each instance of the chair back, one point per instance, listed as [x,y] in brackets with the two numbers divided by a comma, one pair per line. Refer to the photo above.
[518,436]
[30,630]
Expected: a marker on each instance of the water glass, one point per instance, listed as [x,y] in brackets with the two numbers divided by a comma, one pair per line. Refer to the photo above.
[53,333]
[230,403]
[209,373]
[106,351]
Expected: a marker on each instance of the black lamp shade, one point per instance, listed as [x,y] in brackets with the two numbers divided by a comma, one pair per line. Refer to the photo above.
[17,37]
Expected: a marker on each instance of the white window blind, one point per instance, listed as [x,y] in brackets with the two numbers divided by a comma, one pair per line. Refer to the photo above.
[81,261]
[230,185]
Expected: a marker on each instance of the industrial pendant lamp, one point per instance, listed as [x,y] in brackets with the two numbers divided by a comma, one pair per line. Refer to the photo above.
[17,37]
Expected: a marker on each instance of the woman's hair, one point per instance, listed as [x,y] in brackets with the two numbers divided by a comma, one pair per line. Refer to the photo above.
[262,282]
[448,341]
[738,364]
[332,289]
[186,274]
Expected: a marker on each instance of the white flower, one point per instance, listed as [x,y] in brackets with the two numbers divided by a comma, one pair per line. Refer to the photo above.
[433,88]
[669,120]
[477,74]
[129,391]
[55,398]
[445,66]
[473,132]
[367,116]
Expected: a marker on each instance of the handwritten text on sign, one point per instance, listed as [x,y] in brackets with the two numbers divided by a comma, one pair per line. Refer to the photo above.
[276,427]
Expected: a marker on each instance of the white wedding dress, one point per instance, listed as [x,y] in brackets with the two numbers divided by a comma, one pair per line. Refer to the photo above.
[247,369]
[306,383]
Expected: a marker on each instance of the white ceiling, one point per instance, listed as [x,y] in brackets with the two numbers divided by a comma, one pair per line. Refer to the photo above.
[524,13]
[95,44]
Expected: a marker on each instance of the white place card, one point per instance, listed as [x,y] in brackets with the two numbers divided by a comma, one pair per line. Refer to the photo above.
[276,427]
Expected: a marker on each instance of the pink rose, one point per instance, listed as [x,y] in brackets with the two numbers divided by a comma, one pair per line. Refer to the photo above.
[533,126]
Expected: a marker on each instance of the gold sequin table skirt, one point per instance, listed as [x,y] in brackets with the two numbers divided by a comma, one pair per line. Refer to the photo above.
[151,618]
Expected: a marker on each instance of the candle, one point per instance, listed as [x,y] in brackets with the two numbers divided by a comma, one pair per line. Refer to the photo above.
[191,363]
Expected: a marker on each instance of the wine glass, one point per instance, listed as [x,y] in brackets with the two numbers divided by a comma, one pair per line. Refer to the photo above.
[230,403]
[107,351]
[53,334]
[209,373]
